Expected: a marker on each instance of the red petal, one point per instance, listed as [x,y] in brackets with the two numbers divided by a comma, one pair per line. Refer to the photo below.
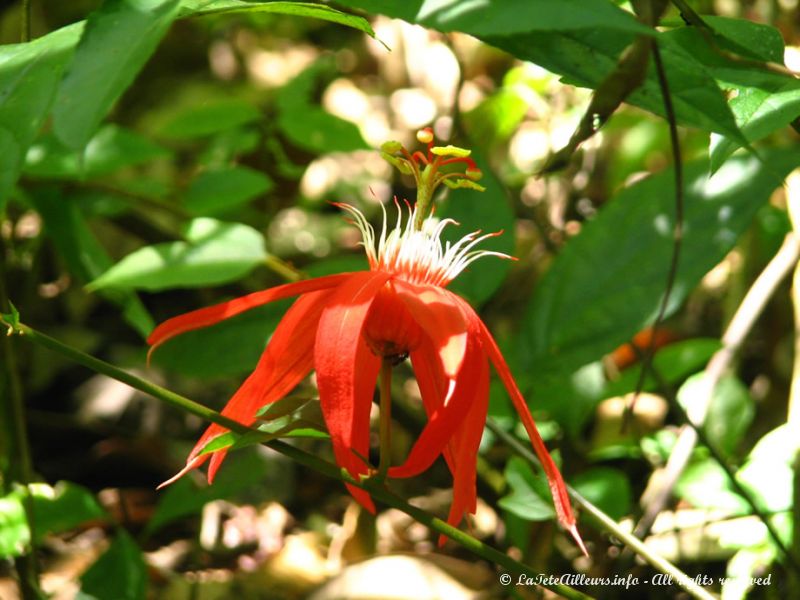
[368,367]
[465,446]
[204,317]
[446,326]
[432,386]
[461,452]
[441,318]
[287,359]
[341,378]
[557,487]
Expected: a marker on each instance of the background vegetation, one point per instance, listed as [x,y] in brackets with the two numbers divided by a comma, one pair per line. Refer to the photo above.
[157,156]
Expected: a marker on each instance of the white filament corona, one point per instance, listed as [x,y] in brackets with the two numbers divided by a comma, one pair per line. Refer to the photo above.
[419,255]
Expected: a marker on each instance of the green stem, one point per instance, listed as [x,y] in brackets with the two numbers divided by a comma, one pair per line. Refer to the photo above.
[385,429]
[607,523]
[21,468]
[283,269]
[25,18]
[426,185]
[375,487]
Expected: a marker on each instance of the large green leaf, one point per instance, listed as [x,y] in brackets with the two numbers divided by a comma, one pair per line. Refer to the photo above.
[119,574]
[85,258]
[29,76]
[300,9]
[762,101]
[747,38]
[118,39]
[217,191]
[483,17]
[608,281]
[585,57]
[214,253]
[207,119]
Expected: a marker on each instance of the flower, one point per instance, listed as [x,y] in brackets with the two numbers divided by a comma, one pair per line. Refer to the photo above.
[345,326]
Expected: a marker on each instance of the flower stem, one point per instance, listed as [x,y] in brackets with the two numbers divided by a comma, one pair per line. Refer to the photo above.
[385,429]
[25,19]
[425,188]
[16,432]
[283,268]
[375,487]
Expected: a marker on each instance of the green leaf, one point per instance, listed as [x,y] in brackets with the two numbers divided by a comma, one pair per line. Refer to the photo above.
[83,255]
[479,17]
[704,484]
[761,101]
[305,421]
[118,39]
[307,125]
[55,510]
[217,191]
[29,76]
[568,398]
[488,212]
[214,253]
[63,507]
[743,567]
[313,129]
[14,532]
[672,362]
[769,470]
[12,318]
[748,38]
[529,497]
[111,148]
[585,57]
[730,413]
[119,574]
[224,148]
[606,488]
[300,9]
[603,288]
[210,119]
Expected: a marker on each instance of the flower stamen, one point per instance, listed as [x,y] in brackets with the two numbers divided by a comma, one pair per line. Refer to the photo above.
[418,256]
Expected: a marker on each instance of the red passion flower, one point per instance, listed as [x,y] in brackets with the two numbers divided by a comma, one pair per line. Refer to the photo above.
[344,326]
